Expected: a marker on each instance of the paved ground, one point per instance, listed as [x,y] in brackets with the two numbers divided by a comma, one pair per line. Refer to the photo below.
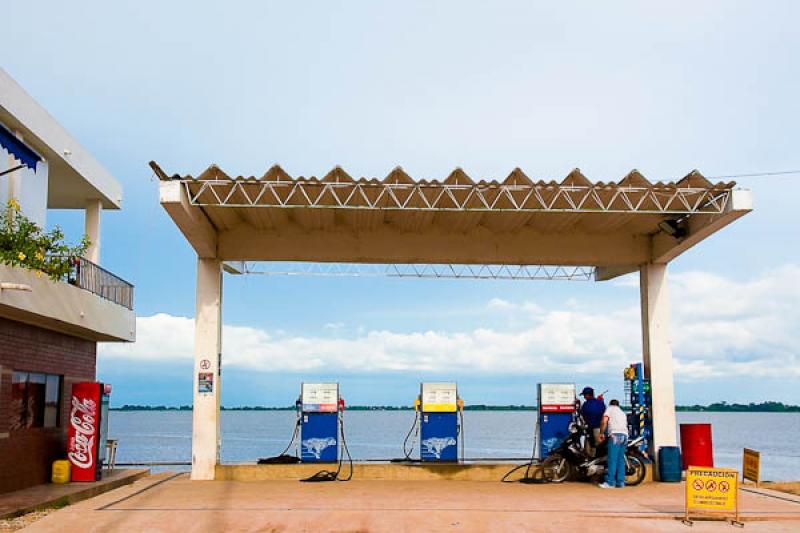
[169,502]
[13,503]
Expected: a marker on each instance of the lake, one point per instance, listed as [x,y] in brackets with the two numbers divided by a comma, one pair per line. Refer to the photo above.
[156,436]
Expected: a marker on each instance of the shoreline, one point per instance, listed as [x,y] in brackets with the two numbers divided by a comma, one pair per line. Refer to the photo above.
[679,409]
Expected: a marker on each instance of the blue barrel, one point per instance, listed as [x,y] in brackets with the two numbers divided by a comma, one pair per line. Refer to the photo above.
[669,464]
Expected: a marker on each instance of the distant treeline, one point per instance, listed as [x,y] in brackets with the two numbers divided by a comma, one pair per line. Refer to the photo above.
[725,407]
[478,407]
[720,407]
[128,407]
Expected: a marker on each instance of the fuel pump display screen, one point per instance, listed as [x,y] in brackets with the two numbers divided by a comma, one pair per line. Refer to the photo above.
[557,397]
[320,397]
[556,409]
[439,397]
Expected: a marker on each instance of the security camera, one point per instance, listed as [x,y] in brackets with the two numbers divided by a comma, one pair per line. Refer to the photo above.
[673,228]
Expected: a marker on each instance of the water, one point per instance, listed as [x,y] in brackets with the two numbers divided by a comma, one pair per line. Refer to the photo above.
[247,435]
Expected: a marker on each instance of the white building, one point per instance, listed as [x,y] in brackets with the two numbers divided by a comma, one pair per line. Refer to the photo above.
[49,329]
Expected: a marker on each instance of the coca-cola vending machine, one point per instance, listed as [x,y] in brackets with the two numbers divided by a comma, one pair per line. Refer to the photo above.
[88,429]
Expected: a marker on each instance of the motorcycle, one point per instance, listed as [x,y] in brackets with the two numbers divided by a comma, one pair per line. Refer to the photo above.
[571,458]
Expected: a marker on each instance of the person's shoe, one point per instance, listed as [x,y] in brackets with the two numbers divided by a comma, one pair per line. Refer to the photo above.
[620,486]
[605,486]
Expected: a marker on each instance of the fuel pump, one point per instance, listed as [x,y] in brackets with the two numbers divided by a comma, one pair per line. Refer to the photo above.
[637,398]
[555,413]
[441,422]
[319,422]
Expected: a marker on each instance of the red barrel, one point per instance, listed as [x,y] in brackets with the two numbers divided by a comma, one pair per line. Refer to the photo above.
[697,449]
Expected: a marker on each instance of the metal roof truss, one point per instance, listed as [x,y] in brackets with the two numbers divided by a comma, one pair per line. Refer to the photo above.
[432,271]
[458,197]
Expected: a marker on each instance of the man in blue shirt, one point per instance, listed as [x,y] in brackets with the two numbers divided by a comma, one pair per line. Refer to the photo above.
[592,411]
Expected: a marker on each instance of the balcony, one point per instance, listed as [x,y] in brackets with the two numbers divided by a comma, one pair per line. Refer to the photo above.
[90,303]
[99,281]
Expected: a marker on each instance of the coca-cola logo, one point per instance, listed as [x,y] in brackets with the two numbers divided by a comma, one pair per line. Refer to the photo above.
[83,421]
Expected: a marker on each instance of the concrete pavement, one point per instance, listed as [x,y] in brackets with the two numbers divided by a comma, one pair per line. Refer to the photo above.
[50,494]
[170,502]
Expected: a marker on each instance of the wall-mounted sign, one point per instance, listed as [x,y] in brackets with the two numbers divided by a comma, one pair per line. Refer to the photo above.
[205,382]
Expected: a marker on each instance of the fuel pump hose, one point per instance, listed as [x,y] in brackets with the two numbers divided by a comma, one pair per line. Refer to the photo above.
[461,428]
[538,476]
[283,457]
[415,429]
[327,475]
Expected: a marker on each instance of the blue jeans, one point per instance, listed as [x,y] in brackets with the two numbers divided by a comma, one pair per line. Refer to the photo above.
[615,473]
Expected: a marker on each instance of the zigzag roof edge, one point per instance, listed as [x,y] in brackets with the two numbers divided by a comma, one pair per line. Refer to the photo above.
[458,177]
[397,175]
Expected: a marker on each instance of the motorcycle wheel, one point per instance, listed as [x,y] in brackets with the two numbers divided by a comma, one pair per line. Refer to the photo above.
[634,471]
[556,469]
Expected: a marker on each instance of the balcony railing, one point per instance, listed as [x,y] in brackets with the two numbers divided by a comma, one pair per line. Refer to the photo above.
[97,280]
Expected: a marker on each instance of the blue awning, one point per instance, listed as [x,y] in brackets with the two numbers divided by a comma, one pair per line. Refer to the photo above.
[18,149]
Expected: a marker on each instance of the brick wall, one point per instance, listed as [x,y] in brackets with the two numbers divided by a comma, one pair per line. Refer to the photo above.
[26,455]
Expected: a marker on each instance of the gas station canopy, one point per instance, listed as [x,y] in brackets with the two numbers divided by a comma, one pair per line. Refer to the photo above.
[614,227]
[610,228]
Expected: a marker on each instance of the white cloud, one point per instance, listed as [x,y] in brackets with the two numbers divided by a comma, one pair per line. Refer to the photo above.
[726,327]
[720,327]
[499,304]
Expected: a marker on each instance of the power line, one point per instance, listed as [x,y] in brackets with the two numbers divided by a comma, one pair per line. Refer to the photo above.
[755,174]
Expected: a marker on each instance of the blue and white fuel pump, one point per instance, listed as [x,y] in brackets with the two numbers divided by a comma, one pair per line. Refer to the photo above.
[320,406]
[441,422]
[556,412]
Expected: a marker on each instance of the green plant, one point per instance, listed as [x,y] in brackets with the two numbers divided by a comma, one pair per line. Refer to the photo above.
[23,243]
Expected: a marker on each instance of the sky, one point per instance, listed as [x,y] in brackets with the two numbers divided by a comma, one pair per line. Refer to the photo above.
[604,87]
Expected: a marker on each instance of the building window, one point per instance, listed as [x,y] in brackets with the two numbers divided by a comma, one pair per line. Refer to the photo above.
[35,400]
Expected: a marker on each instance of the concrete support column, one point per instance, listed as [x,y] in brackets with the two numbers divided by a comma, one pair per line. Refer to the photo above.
[207,358]
[92,229]
[657,351]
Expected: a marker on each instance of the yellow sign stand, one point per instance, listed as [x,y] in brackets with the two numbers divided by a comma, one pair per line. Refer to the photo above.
[751,466]
[712,492]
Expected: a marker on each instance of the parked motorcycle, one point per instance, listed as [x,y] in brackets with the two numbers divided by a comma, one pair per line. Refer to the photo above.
[570,459]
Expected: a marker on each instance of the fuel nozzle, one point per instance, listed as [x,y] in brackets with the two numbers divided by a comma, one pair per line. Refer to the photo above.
[460,404]
[341,404]
[417,403]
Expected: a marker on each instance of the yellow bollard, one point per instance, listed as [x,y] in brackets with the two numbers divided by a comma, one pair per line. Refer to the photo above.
[62,470]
